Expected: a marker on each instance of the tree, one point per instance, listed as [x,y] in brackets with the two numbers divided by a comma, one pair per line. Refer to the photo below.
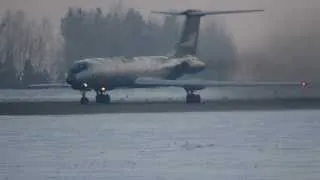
[8,75]
[170,33]
[25,42]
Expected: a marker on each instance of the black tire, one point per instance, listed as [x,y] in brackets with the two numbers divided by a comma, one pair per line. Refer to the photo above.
[104,99]
[193,99]
[98,98]
[84,101]
[197,99]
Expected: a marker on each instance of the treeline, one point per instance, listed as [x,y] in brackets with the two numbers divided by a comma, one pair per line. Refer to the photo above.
[31,52]
[27,50]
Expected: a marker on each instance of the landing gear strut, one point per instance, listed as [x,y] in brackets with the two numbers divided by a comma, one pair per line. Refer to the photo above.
[102,97]
[192,98]
[84,100]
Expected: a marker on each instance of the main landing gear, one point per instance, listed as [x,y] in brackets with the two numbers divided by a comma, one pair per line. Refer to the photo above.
[192,98]
[102,97]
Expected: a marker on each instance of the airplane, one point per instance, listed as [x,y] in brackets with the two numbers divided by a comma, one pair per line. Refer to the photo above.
[106,74]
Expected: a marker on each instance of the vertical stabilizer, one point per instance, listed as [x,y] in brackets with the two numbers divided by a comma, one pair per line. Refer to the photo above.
[188,43]
[189,37]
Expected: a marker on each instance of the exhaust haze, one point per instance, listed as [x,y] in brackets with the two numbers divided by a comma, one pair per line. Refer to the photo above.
[281,43]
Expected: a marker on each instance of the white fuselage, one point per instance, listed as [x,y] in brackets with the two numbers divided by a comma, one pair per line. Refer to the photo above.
[122,72]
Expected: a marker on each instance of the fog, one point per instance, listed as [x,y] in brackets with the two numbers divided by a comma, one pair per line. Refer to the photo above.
[281,43]
[290,47]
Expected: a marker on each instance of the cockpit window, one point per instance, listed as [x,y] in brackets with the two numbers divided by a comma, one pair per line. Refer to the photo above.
[78,67]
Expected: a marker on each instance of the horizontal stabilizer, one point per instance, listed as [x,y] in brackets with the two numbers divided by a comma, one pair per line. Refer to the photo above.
[192,12]
[167,13]
[230,12]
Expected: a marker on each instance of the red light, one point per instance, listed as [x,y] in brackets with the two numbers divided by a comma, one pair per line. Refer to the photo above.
[304,84]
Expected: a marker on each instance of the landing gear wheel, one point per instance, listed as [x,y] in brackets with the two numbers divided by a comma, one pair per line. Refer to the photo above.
[98,98]
[84,100]
[193,98]
[103,98]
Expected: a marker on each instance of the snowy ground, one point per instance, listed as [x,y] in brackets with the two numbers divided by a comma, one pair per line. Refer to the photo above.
[221,145]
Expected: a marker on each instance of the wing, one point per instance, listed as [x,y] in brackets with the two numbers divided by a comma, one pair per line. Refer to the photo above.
[200,84]
[49,86]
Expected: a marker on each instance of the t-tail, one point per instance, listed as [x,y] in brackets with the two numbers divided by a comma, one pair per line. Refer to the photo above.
[190,33]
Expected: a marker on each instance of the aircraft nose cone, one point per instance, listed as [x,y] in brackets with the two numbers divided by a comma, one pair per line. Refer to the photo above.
[70,79]
[75,83]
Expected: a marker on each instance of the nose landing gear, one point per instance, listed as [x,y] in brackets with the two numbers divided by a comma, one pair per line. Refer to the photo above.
[84,100]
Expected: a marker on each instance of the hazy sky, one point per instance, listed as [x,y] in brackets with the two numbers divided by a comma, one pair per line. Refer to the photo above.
[248,30]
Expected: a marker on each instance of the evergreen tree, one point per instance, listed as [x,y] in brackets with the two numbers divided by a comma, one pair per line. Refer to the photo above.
[8,75]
